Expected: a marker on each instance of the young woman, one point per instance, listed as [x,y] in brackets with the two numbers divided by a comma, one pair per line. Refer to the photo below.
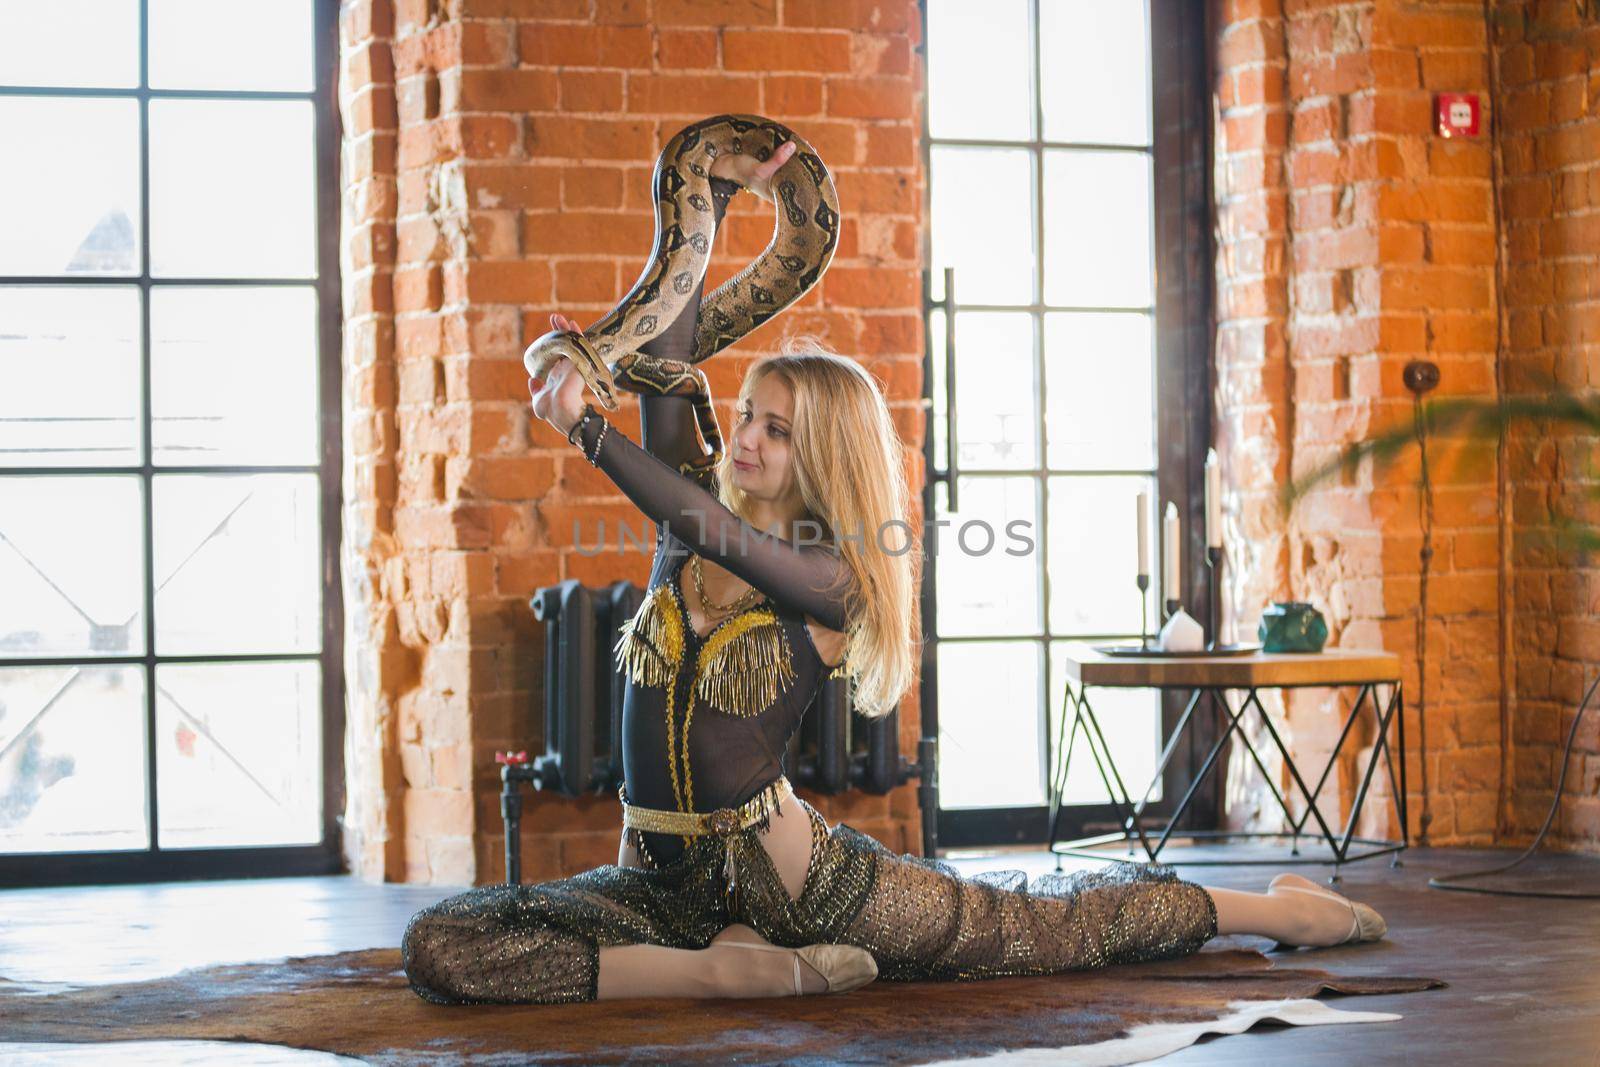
[726,883]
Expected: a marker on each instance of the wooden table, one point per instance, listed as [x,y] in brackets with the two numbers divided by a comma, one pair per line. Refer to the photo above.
[1209,679]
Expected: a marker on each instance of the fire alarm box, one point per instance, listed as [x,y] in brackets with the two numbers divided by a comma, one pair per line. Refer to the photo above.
[1457,114]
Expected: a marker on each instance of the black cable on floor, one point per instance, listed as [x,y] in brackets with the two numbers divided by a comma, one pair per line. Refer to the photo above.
[1452,881]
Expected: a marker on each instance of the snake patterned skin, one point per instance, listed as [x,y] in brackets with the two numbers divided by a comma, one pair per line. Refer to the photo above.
[806,204]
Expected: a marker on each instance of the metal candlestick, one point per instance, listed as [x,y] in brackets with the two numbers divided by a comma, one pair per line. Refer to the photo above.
[1143,582]
[1173,606]
[1214,561]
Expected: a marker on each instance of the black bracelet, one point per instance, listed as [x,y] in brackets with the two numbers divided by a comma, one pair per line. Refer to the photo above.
[594,458]
[577,427]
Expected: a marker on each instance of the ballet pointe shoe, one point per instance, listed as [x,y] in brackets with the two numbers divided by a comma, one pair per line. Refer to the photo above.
[843,967]
[1367,924]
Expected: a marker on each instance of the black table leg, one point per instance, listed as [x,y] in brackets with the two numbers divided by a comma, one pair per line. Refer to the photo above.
[1063,760]
[1350,721]
[1397,698]
[1118,793]
[1131,814]
[1205,768]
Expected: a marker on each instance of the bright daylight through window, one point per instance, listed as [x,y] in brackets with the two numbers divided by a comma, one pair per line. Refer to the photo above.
[162,538]
[1039,116]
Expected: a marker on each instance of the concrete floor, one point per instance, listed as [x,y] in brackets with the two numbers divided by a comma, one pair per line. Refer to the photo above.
[1524,973]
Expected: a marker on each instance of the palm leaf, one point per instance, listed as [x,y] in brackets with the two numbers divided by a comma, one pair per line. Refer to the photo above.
[1472,417]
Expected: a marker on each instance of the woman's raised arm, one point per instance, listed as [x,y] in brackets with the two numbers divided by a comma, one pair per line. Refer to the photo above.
[804,573]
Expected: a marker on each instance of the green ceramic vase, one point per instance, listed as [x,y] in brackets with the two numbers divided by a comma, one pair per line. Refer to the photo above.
[1292,626]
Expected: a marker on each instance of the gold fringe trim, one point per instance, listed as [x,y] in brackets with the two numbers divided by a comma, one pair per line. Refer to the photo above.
[672,751]
[651,644]
[688,770]
[649,650]
[745,664]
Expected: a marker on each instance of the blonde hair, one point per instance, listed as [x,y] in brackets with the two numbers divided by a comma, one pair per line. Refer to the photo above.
[849,467]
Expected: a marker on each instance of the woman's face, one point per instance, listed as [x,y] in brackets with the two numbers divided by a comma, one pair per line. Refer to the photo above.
[761,440]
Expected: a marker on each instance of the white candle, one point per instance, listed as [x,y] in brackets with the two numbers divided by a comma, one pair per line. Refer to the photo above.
[1169,553]
[1213,500]
[1142,506]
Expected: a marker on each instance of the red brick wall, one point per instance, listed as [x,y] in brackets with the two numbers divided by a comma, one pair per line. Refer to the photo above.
[1352,242]
[497,163]
[1550,147]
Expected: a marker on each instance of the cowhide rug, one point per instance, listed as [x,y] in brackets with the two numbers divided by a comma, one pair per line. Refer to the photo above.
[359,1004]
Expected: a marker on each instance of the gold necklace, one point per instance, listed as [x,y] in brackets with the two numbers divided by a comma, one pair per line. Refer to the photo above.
[707,602]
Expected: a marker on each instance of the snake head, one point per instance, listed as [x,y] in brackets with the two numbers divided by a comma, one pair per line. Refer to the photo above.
[547,351]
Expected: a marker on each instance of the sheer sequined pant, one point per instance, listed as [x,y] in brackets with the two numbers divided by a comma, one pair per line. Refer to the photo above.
[921,920]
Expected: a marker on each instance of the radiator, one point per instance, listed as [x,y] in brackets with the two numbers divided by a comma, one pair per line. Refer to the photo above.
[833,751]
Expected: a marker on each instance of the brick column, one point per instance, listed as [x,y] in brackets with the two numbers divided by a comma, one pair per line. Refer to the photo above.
[1550,146]
[1354,241]
[1253,406]
[377,665]
[503,174]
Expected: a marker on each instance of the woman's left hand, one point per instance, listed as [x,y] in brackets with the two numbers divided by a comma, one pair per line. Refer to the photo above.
[558,397]
[750,172]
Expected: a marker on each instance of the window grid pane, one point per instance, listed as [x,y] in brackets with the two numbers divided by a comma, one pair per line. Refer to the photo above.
[92,364]
[74,774]
[1096,52]
[990,247]
[71,567]
[89,43]
[210,158]
[1097,229]
[979,59]
[69,356]
[238,746]
[1090,309]
[75,208]
[989,726]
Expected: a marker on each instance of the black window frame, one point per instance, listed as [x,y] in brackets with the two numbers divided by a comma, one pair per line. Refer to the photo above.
[154,863]
[1184,331]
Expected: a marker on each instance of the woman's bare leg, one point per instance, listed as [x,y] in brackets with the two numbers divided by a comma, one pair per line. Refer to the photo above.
[657,971]
[788,842]
[1296,918]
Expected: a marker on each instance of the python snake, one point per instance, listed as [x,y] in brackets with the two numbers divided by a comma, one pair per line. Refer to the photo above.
[607,356]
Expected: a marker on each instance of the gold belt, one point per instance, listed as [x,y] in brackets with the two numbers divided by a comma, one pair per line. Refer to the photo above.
[694,823]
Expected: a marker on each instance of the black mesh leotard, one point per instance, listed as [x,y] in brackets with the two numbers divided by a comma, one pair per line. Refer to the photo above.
[732,753]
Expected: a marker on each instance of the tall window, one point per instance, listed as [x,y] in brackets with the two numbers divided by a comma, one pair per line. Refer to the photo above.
[1043,206]
[169,440]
